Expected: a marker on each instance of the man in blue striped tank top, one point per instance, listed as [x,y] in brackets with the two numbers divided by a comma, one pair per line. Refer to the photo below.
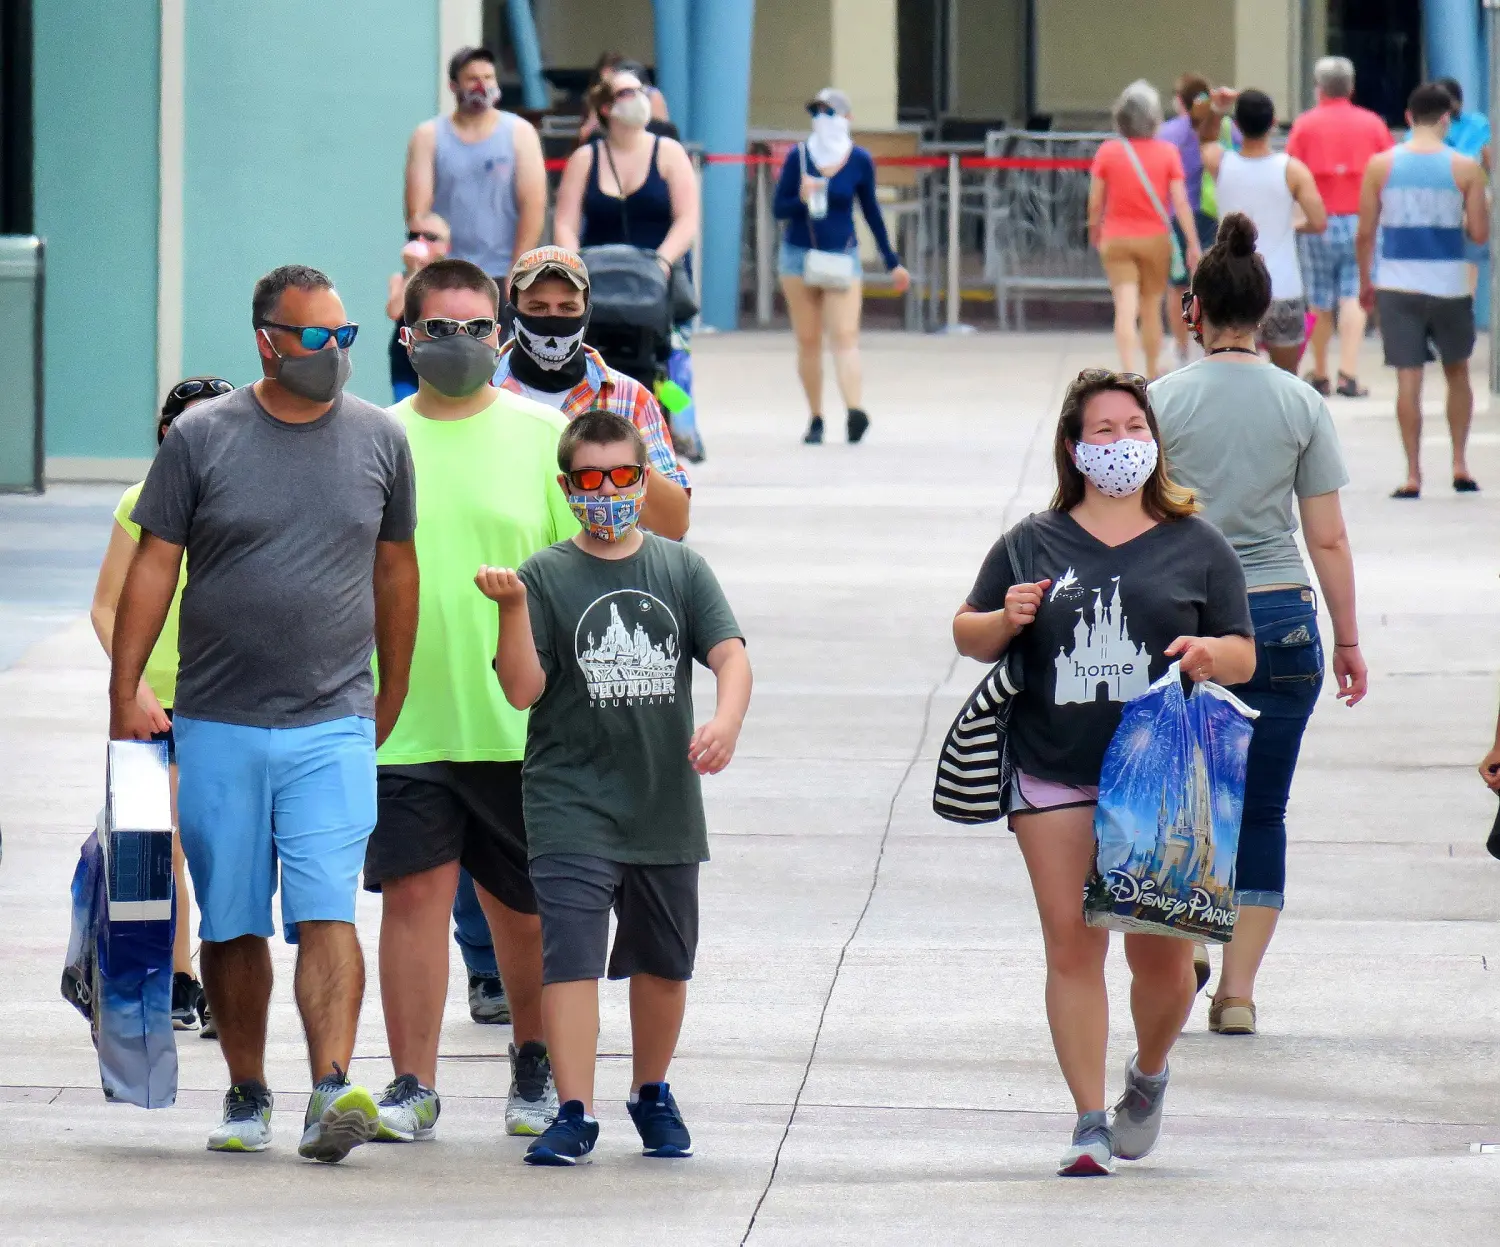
[1420,201]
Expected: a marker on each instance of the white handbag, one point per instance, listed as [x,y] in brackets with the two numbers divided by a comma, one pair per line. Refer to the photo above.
[827,270]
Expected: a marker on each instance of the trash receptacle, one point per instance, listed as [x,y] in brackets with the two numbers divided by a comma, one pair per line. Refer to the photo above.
[22,453]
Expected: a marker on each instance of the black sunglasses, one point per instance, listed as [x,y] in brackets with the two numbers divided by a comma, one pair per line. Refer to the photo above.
[591,480]
[447,327]
[1187,305]
[315,337]
[185,390]
[412,235]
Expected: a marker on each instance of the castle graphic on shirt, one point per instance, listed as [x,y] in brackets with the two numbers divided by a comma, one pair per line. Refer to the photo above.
[628,649]
[1103,655]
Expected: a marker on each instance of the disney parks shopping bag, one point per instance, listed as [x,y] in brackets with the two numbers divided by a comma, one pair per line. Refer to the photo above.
[1168,824]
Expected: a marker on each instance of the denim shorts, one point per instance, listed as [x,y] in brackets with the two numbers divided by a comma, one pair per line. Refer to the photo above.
[793,260]
[256,803]
[1288,677]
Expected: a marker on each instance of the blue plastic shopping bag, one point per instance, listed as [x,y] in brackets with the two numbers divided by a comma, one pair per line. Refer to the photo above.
[1168,824]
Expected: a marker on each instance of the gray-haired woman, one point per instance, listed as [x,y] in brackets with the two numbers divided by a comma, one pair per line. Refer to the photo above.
[1132,181]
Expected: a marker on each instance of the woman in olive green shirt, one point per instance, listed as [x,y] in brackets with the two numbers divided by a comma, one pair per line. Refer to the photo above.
[157,690]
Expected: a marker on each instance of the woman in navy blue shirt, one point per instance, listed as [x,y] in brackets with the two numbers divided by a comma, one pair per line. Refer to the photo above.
[819,183]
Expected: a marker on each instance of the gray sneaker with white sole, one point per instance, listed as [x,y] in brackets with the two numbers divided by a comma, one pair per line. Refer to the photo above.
[1092,1152]
[1136,1122]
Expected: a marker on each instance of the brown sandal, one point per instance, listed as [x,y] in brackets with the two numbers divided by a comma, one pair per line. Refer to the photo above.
[1232,1016]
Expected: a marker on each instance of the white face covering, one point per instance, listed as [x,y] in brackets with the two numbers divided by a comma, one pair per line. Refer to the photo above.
[633,111]
[1117,469]
[829,144]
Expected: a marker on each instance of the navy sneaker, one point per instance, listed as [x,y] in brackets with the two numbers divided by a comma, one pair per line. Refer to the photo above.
[568,1140]
[659,1122]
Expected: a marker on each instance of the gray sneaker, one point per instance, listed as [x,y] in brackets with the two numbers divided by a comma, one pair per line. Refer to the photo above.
[1092,1152]
[247,1119]
[532,1104]
[340,1116]
[1137,1117]
[487,1003]
[408,1111]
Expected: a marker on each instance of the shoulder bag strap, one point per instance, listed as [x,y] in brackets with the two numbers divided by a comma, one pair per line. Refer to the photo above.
[1140,172]
[620,186]
[802,158]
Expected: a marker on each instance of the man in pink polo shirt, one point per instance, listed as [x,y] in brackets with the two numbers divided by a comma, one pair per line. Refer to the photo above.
[1336,140]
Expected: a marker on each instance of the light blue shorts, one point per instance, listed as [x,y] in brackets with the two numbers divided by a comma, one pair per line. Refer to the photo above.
[793,260]
[252,799]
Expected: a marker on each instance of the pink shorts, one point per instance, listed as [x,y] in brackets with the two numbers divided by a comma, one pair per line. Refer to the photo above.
[1036,796]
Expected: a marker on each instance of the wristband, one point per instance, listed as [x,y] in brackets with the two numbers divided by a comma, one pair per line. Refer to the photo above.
[1346,645]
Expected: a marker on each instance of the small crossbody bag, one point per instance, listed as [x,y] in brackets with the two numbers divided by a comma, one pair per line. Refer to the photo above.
[828,270]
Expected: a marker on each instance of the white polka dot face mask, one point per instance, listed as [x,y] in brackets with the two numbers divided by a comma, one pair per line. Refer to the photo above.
[1117,469]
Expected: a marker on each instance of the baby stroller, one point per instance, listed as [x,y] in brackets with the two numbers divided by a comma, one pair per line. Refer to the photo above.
[631,327]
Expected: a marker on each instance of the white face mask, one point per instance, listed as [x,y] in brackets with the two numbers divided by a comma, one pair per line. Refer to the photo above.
[1117,469]
[633,111]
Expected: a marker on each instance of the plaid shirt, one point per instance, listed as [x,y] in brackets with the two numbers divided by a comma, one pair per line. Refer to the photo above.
[603,387]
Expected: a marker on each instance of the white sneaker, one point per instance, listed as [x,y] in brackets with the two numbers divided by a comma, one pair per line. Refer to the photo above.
[531,1105]
[1092,1152]
[247,1119]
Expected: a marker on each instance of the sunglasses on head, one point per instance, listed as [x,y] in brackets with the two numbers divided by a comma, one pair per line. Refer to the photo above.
[591,480]
[1091,376]
[185,390]
[315,337]
[425,235]
[447,327]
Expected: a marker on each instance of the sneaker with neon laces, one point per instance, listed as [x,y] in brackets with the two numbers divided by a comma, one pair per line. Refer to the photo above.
[1092,1152]
[247,1119]
[659,1122]
[531,1105]
[1136,1123]
[408,1111]
[569,1139]
[340,1116]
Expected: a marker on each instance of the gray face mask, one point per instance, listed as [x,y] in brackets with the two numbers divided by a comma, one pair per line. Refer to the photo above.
[456,366]
[317,377]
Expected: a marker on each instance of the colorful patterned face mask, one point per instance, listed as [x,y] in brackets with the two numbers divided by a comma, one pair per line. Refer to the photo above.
[1117,469]
[607,518]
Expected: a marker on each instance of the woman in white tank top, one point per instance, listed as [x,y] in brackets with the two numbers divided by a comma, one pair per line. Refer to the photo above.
[1278,194]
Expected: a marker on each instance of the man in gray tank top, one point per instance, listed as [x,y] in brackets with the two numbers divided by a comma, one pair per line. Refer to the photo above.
[480,169]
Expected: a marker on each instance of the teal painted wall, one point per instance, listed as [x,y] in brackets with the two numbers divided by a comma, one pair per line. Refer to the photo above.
[297,119]
[97,97]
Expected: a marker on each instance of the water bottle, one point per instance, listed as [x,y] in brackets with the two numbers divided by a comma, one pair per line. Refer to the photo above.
[817,199]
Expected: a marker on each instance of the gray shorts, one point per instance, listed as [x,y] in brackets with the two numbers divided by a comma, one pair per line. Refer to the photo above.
[1285,323]
[1408,321]
[657,909]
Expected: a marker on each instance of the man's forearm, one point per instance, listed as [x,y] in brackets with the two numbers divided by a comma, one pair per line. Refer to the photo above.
[516,664]
[734,681]
[139,616]
[397,589]
[667,507]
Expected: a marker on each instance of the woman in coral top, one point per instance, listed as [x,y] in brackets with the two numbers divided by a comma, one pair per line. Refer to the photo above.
[1133,181]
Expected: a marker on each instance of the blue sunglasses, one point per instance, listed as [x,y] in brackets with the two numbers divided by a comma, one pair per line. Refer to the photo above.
[315,337]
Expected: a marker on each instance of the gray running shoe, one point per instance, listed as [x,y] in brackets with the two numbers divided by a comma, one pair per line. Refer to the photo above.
[1137,1118]
[532,1104]
[1092,1152]
[487,1003]
[408,1111]
[247,1119]
[339,1118]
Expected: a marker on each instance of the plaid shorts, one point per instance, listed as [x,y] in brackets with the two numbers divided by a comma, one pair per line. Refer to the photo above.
[1329,267]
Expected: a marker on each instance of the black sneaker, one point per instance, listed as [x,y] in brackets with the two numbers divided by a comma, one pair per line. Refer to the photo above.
[659,1123]
[207,1029]
[487,1003]
[858,425]
[569,1139]
[187,993]
[814,434]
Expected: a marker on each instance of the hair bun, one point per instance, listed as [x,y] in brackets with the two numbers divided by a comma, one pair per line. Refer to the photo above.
[1237,233]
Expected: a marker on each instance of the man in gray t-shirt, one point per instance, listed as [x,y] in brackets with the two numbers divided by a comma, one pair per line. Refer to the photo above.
[295,506]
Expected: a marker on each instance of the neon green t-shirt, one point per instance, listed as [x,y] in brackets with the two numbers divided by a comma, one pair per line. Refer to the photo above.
[161,666]
[487,492]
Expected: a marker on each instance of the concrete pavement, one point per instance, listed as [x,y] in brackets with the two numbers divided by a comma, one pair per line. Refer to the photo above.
[865,1058]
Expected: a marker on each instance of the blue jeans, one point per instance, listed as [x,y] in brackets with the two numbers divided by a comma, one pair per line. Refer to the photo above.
[1288,677]
[471,930]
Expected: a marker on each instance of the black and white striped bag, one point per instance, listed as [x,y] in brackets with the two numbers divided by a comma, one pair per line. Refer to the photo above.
[975,767]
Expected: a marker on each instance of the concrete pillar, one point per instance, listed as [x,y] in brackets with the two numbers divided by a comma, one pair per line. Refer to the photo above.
[534,92]
[721,33]
[673,76]
[1453,47]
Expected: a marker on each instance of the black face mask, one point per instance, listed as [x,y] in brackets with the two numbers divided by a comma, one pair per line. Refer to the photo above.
[549,350]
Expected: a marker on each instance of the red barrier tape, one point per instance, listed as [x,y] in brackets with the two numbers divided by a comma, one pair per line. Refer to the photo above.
[1055,164]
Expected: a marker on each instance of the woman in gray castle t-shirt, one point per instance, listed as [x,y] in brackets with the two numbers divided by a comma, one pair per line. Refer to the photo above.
[1258,448]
